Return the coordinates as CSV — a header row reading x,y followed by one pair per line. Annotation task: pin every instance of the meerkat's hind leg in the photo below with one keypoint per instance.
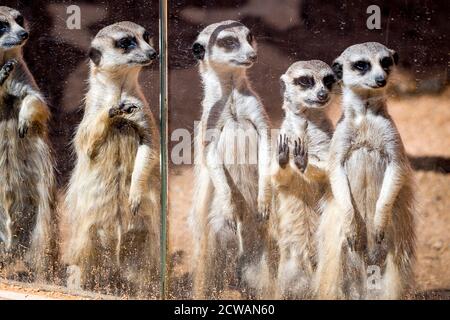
x,y
329,273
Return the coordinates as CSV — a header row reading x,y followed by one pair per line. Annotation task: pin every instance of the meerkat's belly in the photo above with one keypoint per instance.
x,y
19,174
365,169
101,187
238,147
297,221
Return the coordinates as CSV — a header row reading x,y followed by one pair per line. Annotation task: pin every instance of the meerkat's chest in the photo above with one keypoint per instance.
x,y
368,135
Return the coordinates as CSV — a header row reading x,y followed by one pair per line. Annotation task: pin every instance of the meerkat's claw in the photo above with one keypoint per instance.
x,y
300,155
231,224
23,129
6,70
127,107
379,236
263,214
114,111
10,65
283,151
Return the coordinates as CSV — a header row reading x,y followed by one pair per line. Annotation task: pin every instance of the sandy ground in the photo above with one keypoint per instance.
x,y
424,124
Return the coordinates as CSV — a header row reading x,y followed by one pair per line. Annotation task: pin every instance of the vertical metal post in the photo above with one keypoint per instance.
x,y
163,68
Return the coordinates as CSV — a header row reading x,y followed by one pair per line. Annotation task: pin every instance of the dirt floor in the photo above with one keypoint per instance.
x,y
424,124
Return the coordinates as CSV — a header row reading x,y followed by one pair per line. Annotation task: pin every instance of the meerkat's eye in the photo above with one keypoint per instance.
x,y
4,25
20,21
328,81
386,63
305,82
127,43
146,36
250,38
228,43
361,65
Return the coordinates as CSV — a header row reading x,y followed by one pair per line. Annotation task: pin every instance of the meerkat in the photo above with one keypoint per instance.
x,y
113,197
367,232
27,220
299,174
232,197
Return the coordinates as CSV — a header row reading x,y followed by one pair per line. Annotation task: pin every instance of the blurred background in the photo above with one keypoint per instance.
x,y
292,30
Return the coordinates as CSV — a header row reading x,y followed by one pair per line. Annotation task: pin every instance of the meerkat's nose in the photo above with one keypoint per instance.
x,y
381,81
322,95
23,35
253,57
152,54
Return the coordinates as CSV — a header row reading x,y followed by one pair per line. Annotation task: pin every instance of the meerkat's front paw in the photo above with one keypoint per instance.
x,y
23,127
7,69
230,220
123,108
135,203
264,206
300,155
283,151
351,231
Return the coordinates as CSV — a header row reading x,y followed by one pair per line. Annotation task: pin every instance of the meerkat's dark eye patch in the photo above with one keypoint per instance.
x,y
362,66
146,36
386,63
328,81
20,20
250,38
229,43
305,82
4,25
127,43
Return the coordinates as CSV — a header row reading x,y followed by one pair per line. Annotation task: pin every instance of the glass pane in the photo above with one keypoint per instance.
x,y
98,229
218,248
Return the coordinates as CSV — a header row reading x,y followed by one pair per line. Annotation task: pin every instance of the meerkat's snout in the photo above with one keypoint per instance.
x,y
12,29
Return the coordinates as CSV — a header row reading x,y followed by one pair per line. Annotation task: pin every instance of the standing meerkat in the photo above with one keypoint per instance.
x,y
27,221
113,197
299,174
368,228
232,162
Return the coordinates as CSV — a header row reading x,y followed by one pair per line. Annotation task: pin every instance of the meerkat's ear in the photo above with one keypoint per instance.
x,y
338,69
282,85
395,56
198,50
95,55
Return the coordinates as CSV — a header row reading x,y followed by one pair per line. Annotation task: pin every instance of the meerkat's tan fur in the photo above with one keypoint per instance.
x,y
299,174
27,221
113,198
366,234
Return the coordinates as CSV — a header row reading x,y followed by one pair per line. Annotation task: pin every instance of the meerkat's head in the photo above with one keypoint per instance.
x,y
308,84
122,46
365,66
229,44
12,29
